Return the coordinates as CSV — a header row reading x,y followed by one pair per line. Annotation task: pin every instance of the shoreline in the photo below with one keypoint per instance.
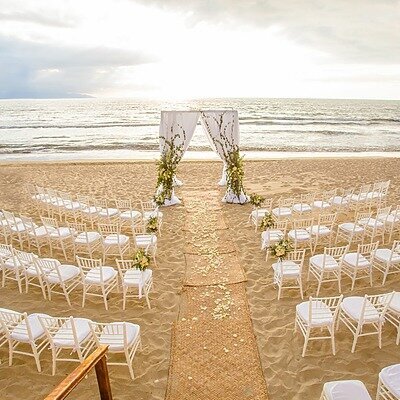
x,y
91,157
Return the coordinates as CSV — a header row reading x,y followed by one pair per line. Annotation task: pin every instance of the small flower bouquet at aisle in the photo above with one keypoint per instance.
x,y
159,200
141,260
152,225
267,222
281,249
256,200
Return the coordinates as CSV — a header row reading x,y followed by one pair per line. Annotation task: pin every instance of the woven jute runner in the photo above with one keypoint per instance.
x,y
214,354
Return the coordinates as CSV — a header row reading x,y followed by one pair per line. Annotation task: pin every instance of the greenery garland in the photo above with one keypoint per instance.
x,y
256,200
267,222
230,153
167,165
152,225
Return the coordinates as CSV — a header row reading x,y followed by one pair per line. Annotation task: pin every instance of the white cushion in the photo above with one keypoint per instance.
x,y
72,205
149,214
145,240
93,276
115,239
322,230
39,231
372,222
318,262
61,232
19,228
321,315
108,212
130,214
64,336
321,204
282,211
260,212
135,277
299,234
290,268
67,272
88,237
390,376
338,200
13,263
385,254
358,197
115,341
353,307
346,390
6,310
301,207
91,210
271,236
351,259
20,332
349,226
395,303
391,219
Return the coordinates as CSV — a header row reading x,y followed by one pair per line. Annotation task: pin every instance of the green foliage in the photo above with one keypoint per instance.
x,y
256,200
267,222
281,248
141,260
152,225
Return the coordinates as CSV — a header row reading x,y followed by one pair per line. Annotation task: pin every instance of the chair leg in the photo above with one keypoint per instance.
x,y
355,339
36,357
305,343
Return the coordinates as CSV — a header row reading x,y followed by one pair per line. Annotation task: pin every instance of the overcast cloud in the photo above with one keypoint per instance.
x,y
54,48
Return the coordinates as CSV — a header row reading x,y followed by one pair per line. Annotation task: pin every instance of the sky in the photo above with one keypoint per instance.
x,y
176,49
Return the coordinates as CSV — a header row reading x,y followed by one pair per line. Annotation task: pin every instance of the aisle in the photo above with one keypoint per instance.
x,y
214,353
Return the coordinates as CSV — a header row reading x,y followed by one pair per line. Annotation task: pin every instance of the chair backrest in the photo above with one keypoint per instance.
x,y
6,250
138,228
87,264
307,198
297,256
363,215
77,227
395,251
28,222
46,265
383,212
63,327
123,204
83,200
114,333
317,308
286,202
126,265
109,229
17,323
327,219
368,249
25,258
375,303
364,189
281,225
101,203
148,205
9,217
336,252
303,223
49,222
328,194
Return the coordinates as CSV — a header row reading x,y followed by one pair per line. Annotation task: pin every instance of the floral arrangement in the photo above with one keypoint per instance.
x,y
256,200
167,165
152,225
141,260
281,249
230,153
267,222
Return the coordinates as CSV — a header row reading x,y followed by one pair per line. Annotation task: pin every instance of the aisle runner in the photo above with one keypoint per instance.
x,y
214,353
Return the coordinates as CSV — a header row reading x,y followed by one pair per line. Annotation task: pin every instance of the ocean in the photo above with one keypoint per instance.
x,y
118,128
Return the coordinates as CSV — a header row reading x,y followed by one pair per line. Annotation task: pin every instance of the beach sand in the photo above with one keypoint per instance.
x,y
288,375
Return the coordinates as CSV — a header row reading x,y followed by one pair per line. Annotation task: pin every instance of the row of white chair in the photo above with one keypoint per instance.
x,y
388,387
69,339
95,278
318,318
335,262
109,240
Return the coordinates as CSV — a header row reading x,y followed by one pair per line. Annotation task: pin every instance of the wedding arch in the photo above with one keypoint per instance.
x,y
222,130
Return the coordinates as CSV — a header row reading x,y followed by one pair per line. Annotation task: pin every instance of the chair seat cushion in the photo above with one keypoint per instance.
x,y
112,335
39,232
145,240
13,263
290,268
351,259
321,230
108,212
87,238
20,332
352,306
301,207
385,255
358,197
370,222
321,315
338,200
62,232
321,204
350,226
115,239
135,277
260,212
271,236
390,376
19,228
154,213
67,272
64,336
282,212
72,205
299,234
130,214
92,210
395,303
330,263
346,390
93,276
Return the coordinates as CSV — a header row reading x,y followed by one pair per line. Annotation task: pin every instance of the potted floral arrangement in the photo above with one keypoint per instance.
x,y
152,225
141,260
267,222
256,200
159,199
281,249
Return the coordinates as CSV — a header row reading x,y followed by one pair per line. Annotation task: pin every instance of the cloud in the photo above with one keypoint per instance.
x,y
363,31
38,70
39,18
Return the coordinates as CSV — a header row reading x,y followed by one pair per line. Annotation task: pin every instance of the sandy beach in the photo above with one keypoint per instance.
x,y
288,375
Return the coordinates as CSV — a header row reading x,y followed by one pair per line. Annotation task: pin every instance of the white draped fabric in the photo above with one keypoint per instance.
x,y
180,124
218,125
